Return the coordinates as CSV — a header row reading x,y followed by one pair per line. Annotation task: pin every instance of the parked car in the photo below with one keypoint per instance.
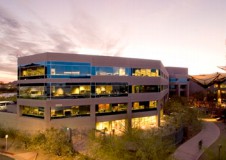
x,y
3,105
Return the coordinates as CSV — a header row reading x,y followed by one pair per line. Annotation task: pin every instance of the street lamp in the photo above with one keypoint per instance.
x,y
219,153
6,137
69,134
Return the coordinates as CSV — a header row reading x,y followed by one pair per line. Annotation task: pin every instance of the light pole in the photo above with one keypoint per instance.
x,y
69,134
219,153
6,137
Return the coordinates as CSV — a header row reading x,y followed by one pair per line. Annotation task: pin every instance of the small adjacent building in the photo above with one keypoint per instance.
x,y
178,81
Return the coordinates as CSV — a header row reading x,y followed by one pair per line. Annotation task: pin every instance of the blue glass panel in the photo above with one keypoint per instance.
x,y
172,79
182,80
68,69
128,72
93,71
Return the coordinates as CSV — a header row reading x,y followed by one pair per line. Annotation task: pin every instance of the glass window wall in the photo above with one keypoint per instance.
x,y
144,122
116,71
144,106
67,90
145,88
111,127
36,91
32,71
145,72
70,111
68,69
111,89
108,109
37,112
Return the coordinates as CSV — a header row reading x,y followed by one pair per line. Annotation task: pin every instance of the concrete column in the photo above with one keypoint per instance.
x,y
18,110
93,115
129,117
178,90
218,95
47,114
158,117
187,90
159,114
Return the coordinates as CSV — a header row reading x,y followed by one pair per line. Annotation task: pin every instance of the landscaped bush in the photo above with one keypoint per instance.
x,y
183,115
58,143
2,132
133,145
52,141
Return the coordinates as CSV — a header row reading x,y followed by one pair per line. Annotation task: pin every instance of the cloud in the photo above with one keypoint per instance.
x,y
7,20
20,38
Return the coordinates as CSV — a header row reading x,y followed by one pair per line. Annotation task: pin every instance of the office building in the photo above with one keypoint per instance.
x,y
90,92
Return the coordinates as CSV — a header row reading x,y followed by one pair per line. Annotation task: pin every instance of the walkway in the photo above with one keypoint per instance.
x,y
21,156
190,149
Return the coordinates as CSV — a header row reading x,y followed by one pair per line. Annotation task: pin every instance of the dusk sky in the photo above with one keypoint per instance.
x,y
180,33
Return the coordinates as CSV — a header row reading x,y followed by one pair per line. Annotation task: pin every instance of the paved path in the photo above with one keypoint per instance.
x,y
21,156
190,149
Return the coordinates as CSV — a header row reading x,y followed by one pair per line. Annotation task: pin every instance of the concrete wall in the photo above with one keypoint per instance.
x,y
81,123
31,125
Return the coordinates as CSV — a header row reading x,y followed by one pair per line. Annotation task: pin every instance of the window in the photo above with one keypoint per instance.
x,y
144,122
115,108
144,106
70,90
113,71
112,127
111,89
145,72
57,69
70,111
32,71
30,111
145,88
32,91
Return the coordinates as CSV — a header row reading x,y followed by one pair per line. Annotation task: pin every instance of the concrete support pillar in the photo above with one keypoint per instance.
x,y
129,117
178,90
159,108
218,95
187,90
93,115
18,110
47,113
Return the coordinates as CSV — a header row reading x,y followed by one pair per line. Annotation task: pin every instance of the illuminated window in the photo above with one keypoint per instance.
x,y
114,108
144,122
70,111
62,90
145,72
32,71
34,92
111,127
144,106
115,71
31,111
